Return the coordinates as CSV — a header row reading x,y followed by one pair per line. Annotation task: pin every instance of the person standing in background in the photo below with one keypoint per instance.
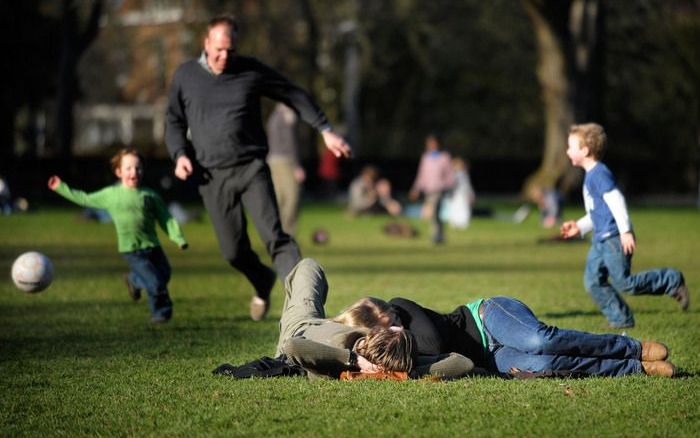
x,y
435,176
283,159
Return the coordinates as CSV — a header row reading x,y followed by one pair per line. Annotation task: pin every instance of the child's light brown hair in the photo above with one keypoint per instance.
x,y
391,350
592,136
116,160
366,312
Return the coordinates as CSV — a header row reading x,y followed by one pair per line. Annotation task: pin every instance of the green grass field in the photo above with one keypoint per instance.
x,y
81,359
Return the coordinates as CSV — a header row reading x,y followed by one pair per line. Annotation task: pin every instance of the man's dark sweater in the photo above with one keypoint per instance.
x,y
223,111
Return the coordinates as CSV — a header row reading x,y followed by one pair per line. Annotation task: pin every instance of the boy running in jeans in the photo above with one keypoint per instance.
x,y
135,211
609,260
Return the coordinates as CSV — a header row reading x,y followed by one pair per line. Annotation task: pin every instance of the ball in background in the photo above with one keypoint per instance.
x,y
32,272
320,236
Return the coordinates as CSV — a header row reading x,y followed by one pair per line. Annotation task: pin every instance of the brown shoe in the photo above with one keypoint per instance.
x,y
682,296
653,351
659,368
134,292
258,308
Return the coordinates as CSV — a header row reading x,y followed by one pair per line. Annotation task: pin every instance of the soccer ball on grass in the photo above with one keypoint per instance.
x,y
32,272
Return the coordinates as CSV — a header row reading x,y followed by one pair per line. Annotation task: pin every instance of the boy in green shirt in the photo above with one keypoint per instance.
x,y
135,211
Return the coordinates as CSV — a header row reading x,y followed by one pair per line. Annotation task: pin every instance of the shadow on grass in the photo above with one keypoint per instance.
x,y
417,248
345,249
575,313
686,374
108,267
463,267
569,314
103,330
84,261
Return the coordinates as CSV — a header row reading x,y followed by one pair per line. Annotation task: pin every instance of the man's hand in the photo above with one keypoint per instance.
x,y
569,229
336,144
54,181
628,244
183,168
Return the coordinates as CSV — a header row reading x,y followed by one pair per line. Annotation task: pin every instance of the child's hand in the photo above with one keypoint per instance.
x,y
366,366
628,244
54,181
569,229
184,246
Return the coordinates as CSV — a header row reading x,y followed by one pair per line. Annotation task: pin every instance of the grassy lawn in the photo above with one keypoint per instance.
x,y
81,359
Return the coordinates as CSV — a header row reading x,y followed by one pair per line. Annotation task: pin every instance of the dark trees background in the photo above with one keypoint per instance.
x,y
26,36
75,38
568,36
389,72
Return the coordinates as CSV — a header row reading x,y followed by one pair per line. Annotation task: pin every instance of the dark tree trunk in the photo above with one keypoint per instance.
x,y
309,136
567,34
73,45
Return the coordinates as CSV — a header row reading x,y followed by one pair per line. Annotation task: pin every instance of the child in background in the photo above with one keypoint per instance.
x,y
5,198
435,177
462,196
135,211
609,260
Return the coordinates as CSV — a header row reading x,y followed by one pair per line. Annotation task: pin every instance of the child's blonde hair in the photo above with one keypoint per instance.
x,y
116,160
391,350
592,136
366,312
459,164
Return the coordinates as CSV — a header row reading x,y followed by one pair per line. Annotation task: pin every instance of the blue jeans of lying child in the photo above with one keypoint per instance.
x,y
517,339
150,271
608,274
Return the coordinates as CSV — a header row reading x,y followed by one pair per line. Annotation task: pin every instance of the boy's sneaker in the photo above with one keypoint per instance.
x,y
134,292
682,295
160,319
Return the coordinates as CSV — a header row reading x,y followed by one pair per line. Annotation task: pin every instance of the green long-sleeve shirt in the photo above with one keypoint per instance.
x,y
134,212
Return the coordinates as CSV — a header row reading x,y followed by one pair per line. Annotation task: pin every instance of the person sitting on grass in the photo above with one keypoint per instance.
x,y
326,348
503,335
369,194
135,211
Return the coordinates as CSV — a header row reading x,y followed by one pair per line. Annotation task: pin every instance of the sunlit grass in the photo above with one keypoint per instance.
x,y
82,359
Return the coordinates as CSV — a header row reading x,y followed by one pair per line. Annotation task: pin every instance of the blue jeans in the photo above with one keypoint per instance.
x,y
608,274
517,339
150,271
